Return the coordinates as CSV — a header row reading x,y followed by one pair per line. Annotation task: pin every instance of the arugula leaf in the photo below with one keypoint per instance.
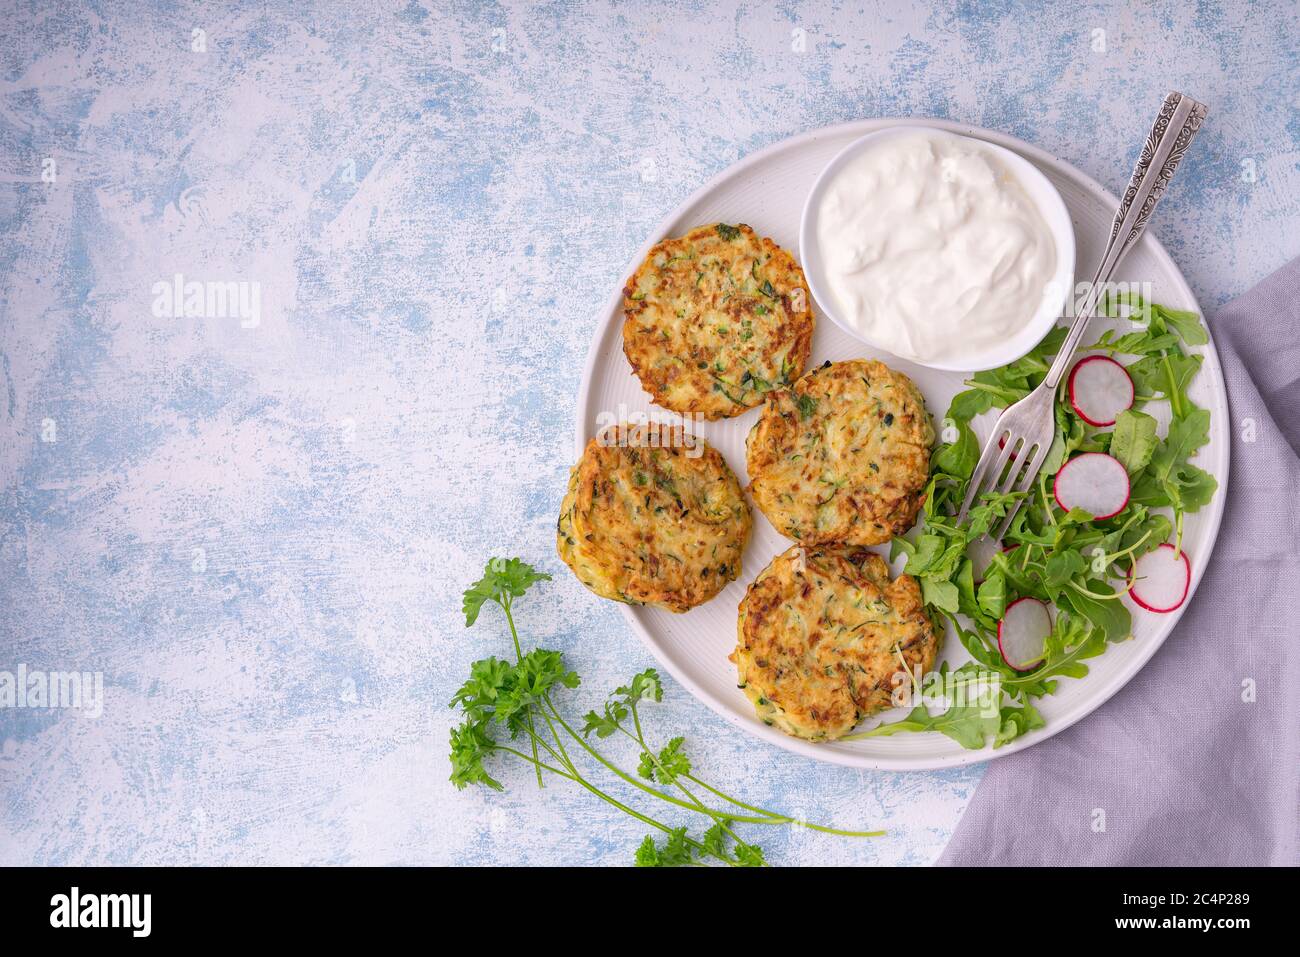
x,y
993,594
958,458
1139,343
1065,559
1186,435
966,405
1062,566
1108,616
1133,440
1186,324
1018,721
940,593
1196,487
967,724
1071,642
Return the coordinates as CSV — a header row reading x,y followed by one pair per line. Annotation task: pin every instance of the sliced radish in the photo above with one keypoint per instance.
x,y
1002,444
1022,633
1095,482
1100,389
1161,579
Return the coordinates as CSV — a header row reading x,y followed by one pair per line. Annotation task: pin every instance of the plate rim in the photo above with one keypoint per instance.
x,y
606,321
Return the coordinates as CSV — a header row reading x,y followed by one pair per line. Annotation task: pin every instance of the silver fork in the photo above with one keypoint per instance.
x,y
1026,429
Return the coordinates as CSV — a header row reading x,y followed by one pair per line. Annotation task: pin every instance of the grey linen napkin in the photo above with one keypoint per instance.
x,y
1185,767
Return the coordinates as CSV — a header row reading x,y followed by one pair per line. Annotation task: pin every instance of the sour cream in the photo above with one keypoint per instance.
x,y
932,248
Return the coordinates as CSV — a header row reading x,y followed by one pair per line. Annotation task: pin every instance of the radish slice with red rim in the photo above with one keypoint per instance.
x,y
1161,579
1022,633
1095,482
1100,389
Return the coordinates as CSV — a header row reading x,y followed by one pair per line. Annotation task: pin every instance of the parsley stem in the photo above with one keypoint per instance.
x,y
578,779
519,657
777,818
546,746
541,765
773,817
640,785
718,817
644,818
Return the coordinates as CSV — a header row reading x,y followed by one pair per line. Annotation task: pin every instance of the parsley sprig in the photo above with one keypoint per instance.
x,y
502,703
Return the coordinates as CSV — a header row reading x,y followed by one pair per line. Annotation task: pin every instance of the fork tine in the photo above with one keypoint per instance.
x,y
1018,457
988,457
1031,473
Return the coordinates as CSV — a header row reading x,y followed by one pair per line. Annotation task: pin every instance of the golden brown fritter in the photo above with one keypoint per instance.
x,y
824,638
715,320
653,525
843,455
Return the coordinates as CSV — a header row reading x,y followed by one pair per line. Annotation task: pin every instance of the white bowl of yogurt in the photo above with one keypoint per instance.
x,y
941,249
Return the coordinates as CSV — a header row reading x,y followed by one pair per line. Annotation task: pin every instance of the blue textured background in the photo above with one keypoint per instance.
x,y
259,535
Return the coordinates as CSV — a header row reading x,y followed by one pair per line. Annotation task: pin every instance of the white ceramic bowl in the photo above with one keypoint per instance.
x,y
1043,194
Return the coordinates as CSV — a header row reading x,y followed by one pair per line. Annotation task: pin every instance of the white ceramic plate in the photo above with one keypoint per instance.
x,y
767,191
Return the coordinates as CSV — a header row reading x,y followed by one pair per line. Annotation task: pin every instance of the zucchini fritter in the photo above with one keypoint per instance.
x,y
653,524
824,636
843,455
716,319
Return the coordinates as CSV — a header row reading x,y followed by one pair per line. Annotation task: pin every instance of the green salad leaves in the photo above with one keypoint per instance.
x,y
504,703
1069,560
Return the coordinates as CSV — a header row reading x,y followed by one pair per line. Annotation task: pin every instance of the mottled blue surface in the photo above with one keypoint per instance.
x,y
258,530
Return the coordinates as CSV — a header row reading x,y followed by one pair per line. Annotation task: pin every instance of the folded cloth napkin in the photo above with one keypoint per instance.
x,y
1197,759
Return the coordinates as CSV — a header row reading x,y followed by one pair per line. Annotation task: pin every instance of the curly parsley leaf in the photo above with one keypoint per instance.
x,y
749,855
676,851
504,579
604,724
672,762
470,744
646,685
519,697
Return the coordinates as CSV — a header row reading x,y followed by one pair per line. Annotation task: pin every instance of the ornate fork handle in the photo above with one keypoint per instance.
x,y
1177,123
1024,431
